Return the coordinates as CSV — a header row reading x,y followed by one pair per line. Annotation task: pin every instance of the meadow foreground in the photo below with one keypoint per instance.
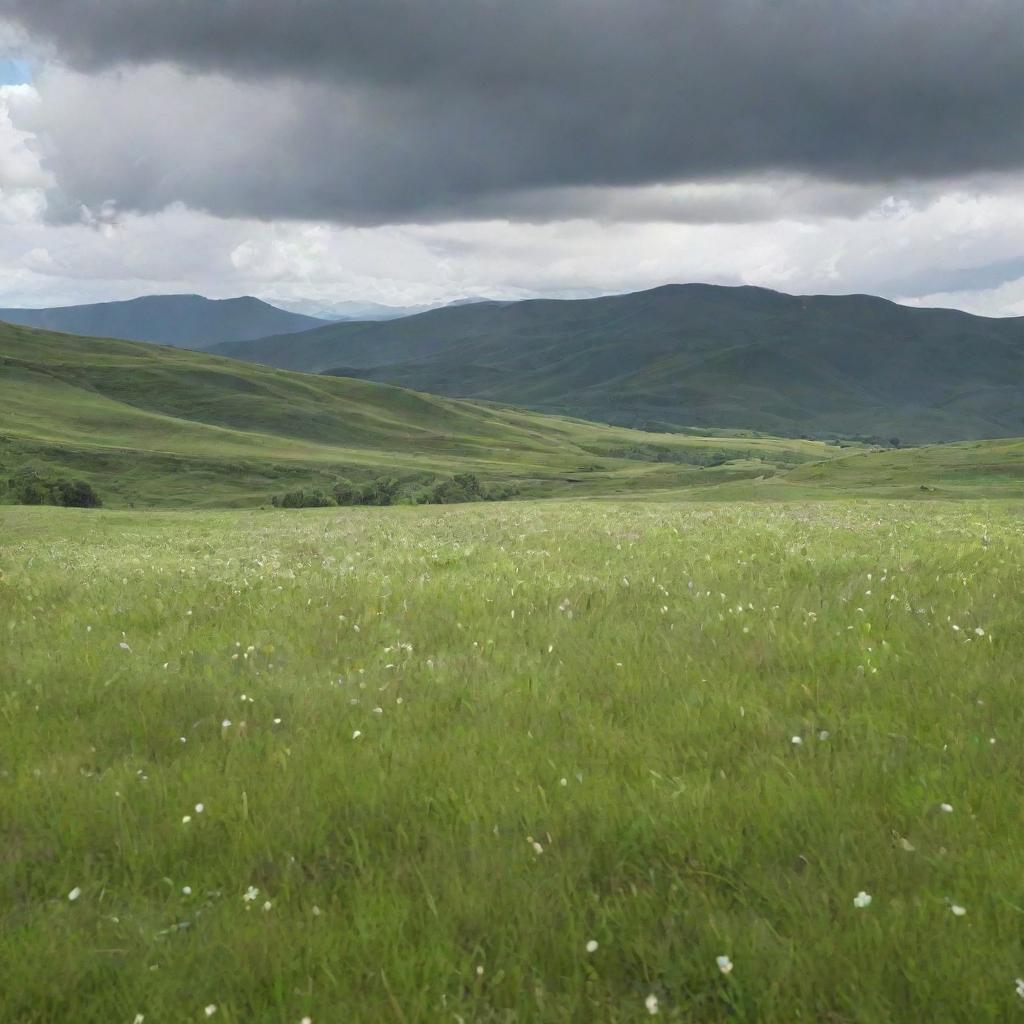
x,y
513,763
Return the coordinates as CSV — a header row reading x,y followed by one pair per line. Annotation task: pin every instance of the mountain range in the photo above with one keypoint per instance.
x,y
684,356
156,425
185,321
150,425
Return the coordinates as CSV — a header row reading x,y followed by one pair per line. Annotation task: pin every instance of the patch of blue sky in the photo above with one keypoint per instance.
x,y
14,72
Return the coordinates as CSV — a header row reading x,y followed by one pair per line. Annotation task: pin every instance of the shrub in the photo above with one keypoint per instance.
x,y
29,487
461,487
303,499
465,487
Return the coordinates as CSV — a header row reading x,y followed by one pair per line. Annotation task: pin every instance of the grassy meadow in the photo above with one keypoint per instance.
x,y
526,762
150,426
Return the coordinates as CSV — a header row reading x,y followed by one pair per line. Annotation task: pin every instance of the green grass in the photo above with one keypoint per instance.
x,y
148,425
162,427
617,682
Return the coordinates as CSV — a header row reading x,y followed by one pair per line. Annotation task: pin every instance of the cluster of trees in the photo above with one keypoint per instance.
x,y
28,487
464,487
386,490
382,491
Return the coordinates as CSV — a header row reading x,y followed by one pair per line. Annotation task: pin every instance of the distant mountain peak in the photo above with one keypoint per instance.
x,y
184,321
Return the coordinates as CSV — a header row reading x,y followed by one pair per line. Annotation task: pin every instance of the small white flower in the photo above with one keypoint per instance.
x,y
250,894
185,820
187,890
277,721
957,910
724,964
823,735
651,1002
200,808
210,1010
946,808
124,646
139,1018
226,724
306,1020
356,734
797,741
317,911
978,631
267,905
862,900
537,848
563,782
74,894
1019,986
592,946
479,970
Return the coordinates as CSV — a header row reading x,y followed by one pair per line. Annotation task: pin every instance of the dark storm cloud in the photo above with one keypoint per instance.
x,y
405,109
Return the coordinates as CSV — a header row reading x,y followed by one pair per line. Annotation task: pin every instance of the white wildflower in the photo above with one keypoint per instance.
x,y
592,946
862,900
724,964
210,1010
651,1002
74,894
356,734
946,808
250,894
957,910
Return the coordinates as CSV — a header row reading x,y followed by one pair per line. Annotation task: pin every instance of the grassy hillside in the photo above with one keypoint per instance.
x,y
699,355
189,321
163,426
405,765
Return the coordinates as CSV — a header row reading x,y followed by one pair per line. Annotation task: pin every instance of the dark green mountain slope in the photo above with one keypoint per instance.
x,y
698,355
185,321
162,426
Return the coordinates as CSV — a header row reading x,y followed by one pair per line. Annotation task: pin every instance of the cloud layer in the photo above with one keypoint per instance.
x,y
408,152
370,111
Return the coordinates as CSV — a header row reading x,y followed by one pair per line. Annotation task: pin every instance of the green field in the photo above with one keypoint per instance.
x,y
153,426
466,742
161,427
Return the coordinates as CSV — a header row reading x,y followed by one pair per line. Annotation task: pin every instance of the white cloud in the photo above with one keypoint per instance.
x,y
950,243
20,163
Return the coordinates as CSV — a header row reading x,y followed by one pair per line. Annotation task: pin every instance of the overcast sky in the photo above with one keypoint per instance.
x,y
404,151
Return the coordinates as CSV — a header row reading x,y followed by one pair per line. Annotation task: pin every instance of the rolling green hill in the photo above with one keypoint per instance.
x,y
188,321
698,355
164,426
